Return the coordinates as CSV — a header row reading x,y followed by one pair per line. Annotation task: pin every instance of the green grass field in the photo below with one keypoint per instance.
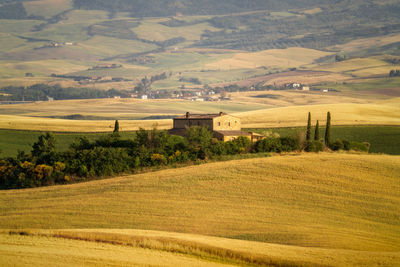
x,y
383,139
13,141
367,85
326,209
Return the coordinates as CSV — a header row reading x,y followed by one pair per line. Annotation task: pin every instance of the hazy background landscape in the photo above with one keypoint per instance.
x,y
73,67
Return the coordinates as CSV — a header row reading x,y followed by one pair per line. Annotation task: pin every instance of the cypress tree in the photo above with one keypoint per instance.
x,y
328,129
308,133
316,134
116,127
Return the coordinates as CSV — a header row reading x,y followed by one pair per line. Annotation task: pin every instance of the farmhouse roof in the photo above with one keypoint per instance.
x,y
200,116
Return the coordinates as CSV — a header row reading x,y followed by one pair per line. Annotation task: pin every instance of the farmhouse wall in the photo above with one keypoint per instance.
x,y
224,127
226,123
185,123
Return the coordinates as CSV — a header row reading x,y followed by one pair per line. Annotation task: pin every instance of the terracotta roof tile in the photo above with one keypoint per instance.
x,y
200,116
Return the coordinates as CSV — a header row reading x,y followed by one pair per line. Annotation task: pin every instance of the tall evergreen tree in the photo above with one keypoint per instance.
x,y
308,133
316,133
328,129
116,127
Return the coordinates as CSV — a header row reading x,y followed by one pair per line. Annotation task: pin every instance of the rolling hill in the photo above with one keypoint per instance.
x,y
205,39
320,209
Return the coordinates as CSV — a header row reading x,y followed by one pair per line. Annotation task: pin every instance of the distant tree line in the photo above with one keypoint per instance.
x,y
190,80
112,155
41,92
144,86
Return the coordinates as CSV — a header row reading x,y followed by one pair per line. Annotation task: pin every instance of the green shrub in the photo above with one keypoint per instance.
x,y
337,145
314,146
269,144
158,159
360,146
289,143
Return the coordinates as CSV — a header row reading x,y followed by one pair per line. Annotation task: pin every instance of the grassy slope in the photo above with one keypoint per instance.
x,y
319,199
149,247
339,203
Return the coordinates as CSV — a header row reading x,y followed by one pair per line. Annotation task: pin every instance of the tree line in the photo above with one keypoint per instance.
x,y
41,92
112,155
317,143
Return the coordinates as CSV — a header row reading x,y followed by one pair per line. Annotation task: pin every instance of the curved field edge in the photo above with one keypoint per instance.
x,y
190,245
29,250
326,200
215,249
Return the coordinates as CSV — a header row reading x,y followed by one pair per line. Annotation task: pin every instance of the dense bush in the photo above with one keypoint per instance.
x,y
314,146
99,161
350,145
111,155
281,144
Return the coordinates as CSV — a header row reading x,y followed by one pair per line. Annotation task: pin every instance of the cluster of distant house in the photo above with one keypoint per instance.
x,y
199,95
302,87
59,44
298,86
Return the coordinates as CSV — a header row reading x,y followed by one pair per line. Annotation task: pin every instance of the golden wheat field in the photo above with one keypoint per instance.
x,y
385,112
297,209
82,126
276,109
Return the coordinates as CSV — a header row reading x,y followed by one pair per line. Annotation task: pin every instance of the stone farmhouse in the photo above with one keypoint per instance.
x,y
223,126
